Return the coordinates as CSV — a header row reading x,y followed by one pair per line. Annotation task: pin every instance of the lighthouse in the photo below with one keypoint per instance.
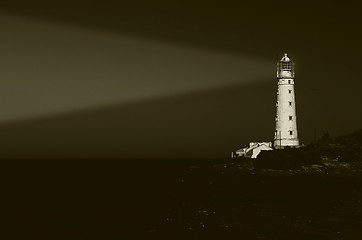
x,y
286,134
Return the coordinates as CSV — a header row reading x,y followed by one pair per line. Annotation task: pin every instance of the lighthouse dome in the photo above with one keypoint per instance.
x,y
285,58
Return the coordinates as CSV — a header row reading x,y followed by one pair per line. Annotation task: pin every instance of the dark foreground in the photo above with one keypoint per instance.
x,y
173,199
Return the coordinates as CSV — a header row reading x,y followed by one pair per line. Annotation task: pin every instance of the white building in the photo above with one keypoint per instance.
x,y
286,134
253,150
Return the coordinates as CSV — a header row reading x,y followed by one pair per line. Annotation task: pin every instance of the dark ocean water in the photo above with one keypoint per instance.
x,y
172,199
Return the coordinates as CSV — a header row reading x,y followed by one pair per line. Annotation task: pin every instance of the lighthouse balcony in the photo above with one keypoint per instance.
x,y
285,74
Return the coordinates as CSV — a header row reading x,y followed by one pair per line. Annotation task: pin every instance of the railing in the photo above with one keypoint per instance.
x,y
279,74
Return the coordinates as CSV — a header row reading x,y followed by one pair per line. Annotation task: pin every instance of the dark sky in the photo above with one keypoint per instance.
x,y
175,79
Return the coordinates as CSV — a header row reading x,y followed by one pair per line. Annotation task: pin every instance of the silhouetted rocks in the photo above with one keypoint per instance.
x,y
287,159
340,155
316,198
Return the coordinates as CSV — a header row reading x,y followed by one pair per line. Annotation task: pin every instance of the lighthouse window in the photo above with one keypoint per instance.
x,y
286,65
290,103
290,117
290,91
288,81
290,132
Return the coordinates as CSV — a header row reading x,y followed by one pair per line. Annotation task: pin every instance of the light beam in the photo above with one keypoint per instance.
x,y
49,68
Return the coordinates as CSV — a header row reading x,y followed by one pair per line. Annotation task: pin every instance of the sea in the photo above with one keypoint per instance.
x,y
172,199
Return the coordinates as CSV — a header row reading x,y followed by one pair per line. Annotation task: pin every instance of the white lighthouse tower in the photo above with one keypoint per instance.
x,y
286,134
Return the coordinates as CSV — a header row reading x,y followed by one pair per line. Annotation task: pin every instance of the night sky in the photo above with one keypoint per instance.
x,y
175,79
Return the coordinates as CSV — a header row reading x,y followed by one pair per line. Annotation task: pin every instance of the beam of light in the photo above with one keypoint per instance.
x,y
48,68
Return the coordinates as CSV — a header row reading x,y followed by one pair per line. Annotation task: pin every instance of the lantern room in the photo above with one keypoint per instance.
x,y
285,67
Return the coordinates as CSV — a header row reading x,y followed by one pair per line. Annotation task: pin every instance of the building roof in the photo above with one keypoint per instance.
x,y
285,58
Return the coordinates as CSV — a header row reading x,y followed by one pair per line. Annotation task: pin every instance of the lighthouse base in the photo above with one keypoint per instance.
x,y
285,143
